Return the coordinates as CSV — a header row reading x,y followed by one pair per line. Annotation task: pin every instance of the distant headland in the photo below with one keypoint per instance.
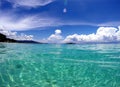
x,y
3,38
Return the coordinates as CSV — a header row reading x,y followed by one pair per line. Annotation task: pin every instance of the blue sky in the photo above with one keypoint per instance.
x,y
41,18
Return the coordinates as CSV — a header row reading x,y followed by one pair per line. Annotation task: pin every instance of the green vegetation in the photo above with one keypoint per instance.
x,y
3,38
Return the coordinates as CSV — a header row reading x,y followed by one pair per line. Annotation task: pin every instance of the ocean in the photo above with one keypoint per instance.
x,y
59,65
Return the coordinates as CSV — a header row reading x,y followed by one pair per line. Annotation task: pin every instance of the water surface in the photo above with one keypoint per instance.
x,y
59,65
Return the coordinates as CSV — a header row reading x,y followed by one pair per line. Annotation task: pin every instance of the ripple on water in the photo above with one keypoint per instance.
x,y
60,66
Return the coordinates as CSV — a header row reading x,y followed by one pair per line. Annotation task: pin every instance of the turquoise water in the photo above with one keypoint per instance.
x,y
55,65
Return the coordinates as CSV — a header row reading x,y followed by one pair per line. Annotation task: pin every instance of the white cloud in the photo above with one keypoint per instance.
x,y
114,23
55,38
103,34
26,23
11,22
23,36
13,35
57,32
29,3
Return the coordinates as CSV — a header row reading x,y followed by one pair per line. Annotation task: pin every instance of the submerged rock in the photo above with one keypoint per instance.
x,y
18,66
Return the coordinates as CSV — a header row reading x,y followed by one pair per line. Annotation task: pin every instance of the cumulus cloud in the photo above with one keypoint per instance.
x,y
29,3
56,37
103,34
23,36
58,32
14,35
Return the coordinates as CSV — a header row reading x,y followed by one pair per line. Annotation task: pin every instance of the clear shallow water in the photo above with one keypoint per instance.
x,y
51,65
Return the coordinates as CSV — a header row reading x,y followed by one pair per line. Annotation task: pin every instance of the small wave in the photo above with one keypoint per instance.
x,y
88,61
108,66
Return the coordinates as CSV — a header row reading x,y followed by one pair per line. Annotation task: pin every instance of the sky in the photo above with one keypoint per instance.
x,y
58,21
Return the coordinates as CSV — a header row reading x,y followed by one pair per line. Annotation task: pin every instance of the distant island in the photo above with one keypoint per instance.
x,y
28,41
3,38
